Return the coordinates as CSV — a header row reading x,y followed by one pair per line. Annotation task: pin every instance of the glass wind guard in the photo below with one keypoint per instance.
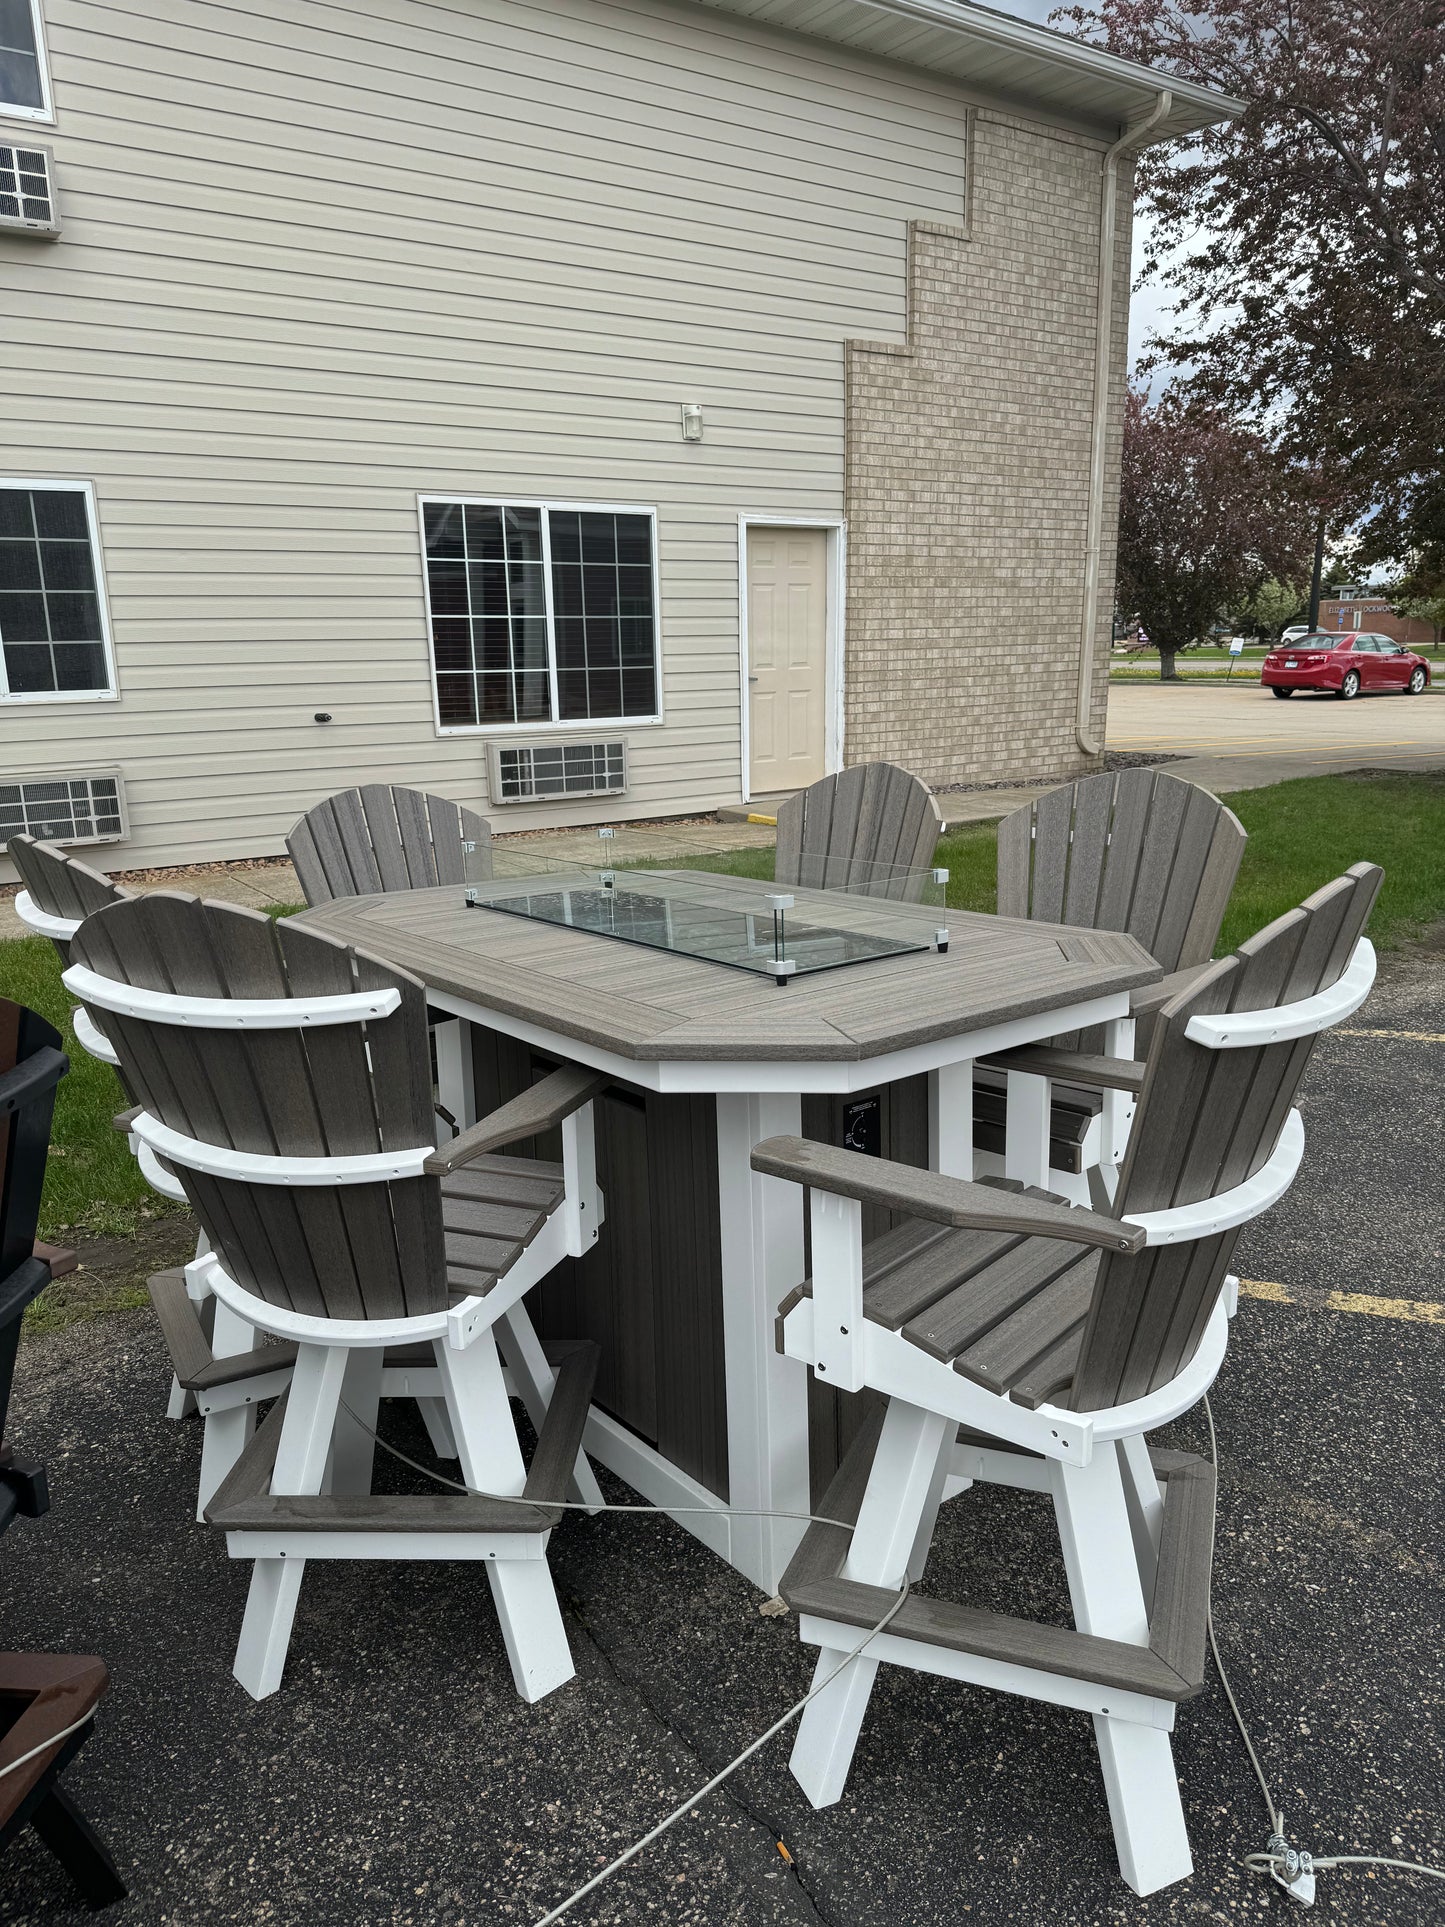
x,y
746,923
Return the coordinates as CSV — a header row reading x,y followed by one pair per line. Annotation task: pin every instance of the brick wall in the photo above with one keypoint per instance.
x,y
967,476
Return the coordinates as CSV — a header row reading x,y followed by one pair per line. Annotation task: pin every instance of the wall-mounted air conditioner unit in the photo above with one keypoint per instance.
x,y
555,772
65,809
28,201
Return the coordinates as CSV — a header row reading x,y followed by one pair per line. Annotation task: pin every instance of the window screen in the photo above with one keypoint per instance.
x,y
22,83
52,634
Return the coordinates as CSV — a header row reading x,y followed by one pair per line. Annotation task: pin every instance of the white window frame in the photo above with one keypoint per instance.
x,y
44,114
543,724
97,562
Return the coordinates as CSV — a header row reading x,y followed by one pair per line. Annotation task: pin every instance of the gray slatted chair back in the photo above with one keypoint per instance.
x,y
871,829
380,838
1133,850
367,1250
1208,1120
61,885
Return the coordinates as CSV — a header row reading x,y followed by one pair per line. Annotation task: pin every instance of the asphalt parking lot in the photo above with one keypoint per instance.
x,y
1250,739
396,1778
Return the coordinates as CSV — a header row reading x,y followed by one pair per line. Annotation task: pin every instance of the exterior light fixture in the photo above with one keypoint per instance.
x,y
692,421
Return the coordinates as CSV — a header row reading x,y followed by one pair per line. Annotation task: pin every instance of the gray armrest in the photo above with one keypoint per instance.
x,y
927,1194
1070,1067
542,1108
1153,997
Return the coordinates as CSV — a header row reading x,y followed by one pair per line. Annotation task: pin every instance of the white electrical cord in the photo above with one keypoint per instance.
x,y
1289,1867
658,1512
13,1766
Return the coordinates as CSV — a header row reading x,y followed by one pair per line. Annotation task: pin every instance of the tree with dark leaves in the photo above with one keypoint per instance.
x,y
1305,242
1208,513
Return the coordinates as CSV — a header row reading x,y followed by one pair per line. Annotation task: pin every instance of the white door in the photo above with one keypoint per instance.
x,y
787,658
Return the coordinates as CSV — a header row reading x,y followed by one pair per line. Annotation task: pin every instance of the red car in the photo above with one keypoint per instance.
x,y
1345,664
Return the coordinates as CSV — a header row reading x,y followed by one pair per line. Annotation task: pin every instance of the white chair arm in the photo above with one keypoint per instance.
x,y
1185,1222
1242,1029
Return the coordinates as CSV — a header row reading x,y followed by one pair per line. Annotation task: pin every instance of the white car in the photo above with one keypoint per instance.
x,y
1295,632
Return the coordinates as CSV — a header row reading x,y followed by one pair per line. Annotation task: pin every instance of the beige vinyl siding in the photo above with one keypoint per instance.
x,y
322,258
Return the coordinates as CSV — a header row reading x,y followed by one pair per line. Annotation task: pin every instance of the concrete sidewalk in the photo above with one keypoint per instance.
x,y
396,1778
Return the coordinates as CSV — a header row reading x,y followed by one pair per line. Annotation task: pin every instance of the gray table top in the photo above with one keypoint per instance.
x,y
654,1005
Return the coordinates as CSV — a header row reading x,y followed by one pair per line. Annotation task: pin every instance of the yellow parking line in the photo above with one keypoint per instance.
x,y
1411,1311
1408,1036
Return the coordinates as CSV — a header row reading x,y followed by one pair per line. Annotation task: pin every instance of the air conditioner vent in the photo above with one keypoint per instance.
x,y
554,772
64,809
28,200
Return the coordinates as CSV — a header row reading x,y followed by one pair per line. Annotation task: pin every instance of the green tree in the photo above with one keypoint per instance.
x,y
1424,608
1271,607
1207,514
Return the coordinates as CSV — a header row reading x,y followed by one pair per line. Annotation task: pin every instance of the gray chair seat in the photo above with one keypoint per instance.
x,y
492,1209
1006,1311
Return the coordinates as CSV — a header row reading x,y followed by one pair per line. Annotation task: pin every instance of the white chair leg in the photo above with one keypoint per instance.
x,y
1146,1509
526,1602
1108,1600
438,1426
534,1379
928,1518
227,1434
455,1089
905,1487
300,1466
1026,1128
353,1448
828,1733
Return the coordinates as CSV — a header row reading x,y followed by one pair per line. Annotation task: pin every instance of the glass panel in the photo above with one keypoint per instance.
x,y
456,699
443,524
599,537
452,643
485,562
22,619
20,79
564,532
79,665
639,692
612,591
67,565
60,513
739,922
484,531
48,592
15,516
19,565
604,692
28,668
634,540
491,571
74,618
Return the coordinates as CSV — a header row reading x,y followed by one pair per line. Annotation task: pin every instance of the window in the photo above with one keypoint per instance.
x,y
24,83
540,614
54,641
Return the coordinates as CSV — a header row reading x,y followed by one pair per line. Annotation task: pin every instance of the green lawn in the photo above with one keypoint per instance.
x,y
1301,834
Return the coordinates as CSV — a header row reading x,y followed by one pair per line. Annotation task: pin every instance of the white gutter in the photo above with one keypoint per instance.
x,y
1103,359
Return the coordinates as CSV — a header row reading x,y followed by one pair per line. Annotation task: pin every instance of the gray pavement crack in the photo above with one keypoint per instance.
x,y
798,1885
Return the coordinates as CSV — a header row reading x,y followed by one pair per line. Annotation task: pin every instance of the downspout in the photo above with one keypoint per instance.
x,y
1103,357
